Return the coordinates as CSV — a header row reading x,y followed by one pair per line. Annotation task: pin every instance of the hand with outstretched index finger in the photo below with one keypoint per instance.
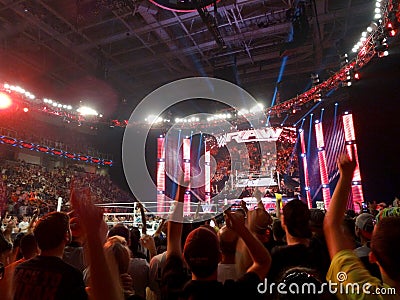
x,y
346,164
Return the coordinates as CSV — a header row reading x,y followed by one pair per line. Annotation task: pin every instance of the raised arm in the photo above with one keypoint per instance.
x,y
174,231
160,228
259,254
143,217
334,234
36,213
103,277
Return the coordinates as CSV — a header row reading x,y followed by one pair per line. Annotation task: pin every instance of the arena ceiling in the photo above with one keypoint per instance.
x,y
135,46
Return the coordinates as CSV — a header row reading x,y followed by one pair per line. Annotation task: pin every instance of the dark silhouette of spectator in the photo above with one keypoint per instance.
x,y
364,225
308,282
47,274
299,251
138,267
317,243
28,248
278,233
227,242
74,253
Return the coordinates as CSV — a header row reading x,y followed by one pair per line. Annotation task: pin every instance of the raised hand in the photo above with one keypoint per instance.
x,y
90,216
346,164
147,242
235,221
244,206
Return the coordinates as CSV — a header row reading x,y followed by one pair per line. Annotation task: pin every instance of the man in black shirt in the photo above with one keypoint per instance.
x,y
301,250
47,276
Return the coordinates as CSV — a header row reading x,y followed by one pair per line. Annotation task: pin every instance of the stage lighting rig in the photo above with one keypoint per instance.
x,y
183,5
314,79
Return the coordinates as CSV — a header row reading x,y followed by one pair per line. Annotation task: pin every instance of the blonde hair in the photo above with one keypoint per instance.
x,y
117,251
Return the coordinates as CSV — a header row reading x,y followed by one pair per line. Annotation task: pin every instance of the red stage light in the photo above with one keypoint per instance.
x,y
357,76
26,109
5,101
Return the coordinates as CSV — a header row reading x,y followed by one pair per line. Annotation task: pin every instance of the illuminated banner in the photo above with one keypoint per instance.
x,y
55,152
254,135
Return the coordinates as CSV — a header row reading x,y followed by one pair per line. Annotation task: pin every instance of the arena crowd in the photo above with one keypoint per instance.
x,y
242,254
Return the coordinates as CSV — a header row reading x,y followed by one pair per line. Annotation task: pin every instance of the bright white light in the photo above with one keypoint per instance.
x,y
377,10
64,106
369,29
378,16
20,90
152,119
377,4
354,50
363,39
87,111
49,101
243,112
59,105
385,53
6,86
69,107
5,101
364,34
55,104
32,96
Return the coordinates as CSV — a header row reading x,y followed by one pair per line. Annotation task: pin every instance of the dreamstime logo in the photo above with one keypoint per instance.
x,y
134,141
341,276
312,288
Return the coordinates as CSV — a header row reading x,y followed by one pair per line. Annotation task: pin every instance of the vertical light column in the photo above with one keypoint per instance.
x,y
186,172
304,158
207,175
319,134
161,174
350,138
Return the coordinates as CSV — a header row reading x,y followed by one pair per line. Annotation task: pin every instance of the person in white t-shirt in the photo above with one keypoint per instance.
x,y
23,225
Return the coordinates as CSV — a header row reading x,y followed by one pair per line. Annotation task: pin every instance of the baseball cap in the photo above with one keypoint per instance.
x,y
259,220
201,251
365,222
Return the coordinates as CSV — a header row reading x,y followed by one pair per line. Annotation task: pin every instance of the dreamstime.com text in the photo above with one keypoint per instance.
x,y
325,287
